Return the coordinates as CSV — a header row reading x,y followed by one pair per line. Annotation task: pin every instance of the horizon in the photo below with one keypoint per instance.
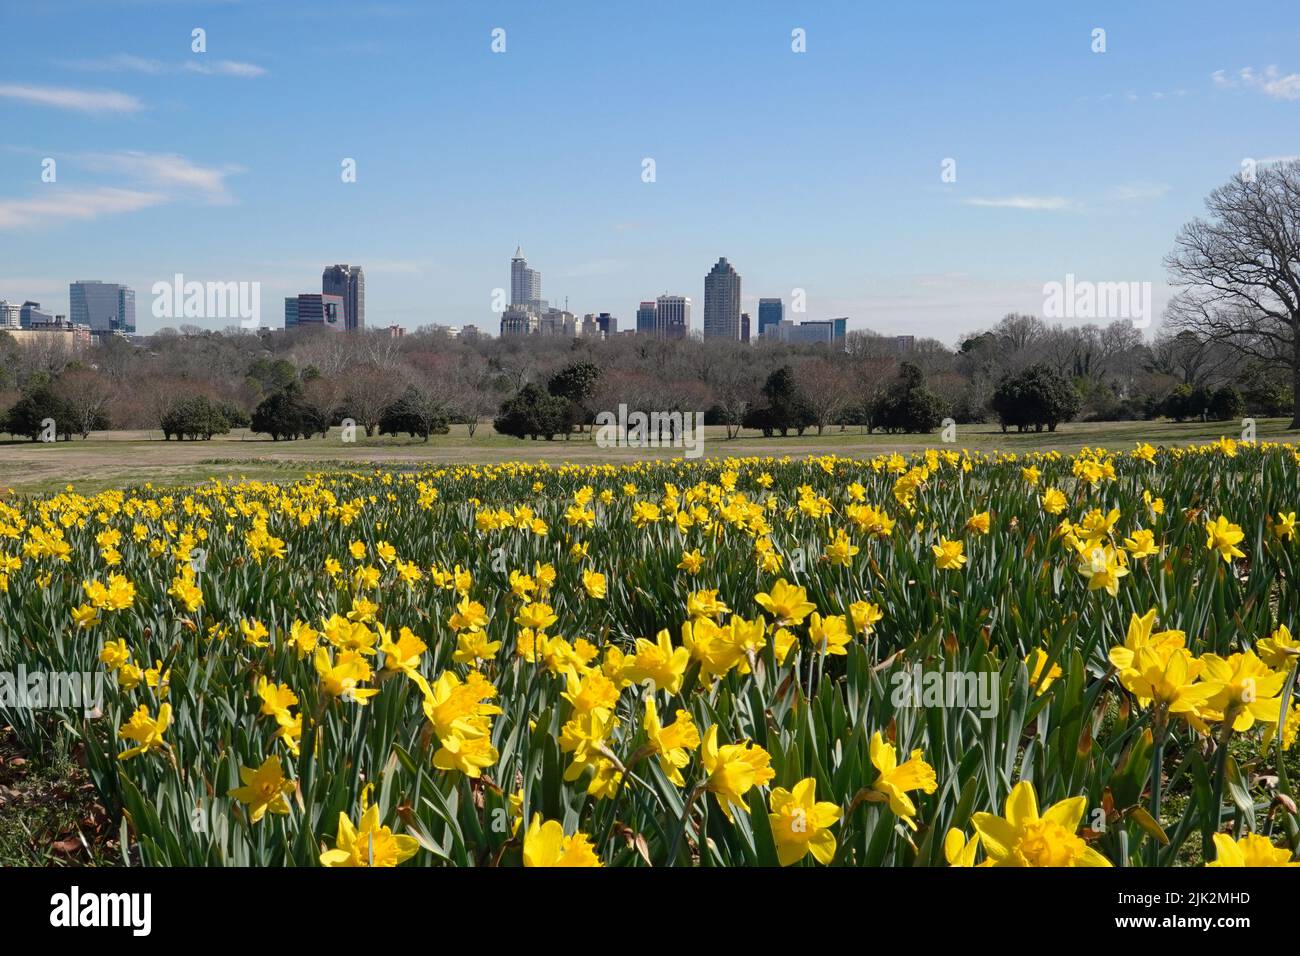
x,y
820,170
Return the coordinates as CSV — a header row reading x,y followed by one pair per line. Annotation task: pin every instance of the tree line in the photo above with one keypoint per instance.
x,y
1228,347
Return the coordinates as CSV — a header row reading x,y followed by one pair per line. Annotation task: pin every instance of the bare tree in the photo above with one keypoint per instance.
x,y
86,395
735,388
829,388
1239,269
370,390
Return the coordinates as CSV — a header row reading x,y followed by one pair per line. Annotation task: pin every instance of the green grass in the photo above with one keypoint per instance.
x,y
48,810
122,459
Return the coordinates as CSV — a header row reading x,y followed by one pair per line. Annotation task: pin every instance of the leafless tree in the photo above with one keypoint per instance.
x,y
829,387
1238,270
369,390
86,395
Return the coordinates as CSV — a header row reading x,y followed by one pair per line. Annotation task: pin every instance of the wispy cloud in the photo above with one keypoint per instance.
x,y
1271,82
86,101
129,63
143,180
168,173
74,204
1031,203
1135,192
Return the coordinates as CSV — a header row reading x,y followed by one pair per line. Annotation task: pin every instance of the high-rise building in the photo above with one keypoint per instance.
x,y
104,306
11,315
813,330
770,314
608,325
31,316
722,302
518,320
525,283
559,322
646,322
672,316
348,283
290,311
744,327
322,311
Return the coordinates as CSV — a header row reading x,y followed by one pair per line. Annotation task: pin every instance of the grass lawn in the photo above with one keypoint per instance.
x,y
121,459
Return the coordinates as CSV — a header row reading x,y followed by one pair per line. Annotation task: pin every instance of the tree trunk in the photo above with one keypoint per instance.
x,y
1295,377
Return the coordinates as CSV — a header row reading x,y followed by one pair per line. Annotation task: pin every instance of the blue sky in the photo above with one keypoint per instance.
x,y
817,170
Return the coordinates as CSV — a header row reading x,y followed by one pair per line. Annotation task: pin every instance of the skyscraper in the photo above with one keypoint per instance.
x,y
349,284
321,311
722,302
770,314
104,306
744,327
525,283
672,317
10,315
646,324
290,311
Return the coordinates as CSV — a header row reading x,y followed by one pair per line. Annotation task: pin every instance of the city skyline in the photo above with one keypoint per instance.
x,y
825,173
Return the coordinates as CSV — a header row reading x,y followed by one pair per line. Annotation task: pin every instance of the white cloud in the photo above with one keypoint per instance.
x,y
168,173
87,101
1130,192
1271,82
1032,203
74,204
145,180
128,63
225,68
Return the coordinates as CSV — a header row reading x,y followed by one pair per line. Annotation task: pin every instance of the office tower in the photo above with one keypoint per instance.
x,y
10,315
672,316
525,283
744,327
813,330
770,314
322,311
104,306
646,321
349,284
722,302
31,316
608,325
290,311
559,322
518,320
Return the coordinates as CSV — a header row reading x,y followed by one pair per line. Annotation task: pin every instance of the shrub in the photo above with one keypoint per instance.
x,y
533,412
1036,397
908,406
194,418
